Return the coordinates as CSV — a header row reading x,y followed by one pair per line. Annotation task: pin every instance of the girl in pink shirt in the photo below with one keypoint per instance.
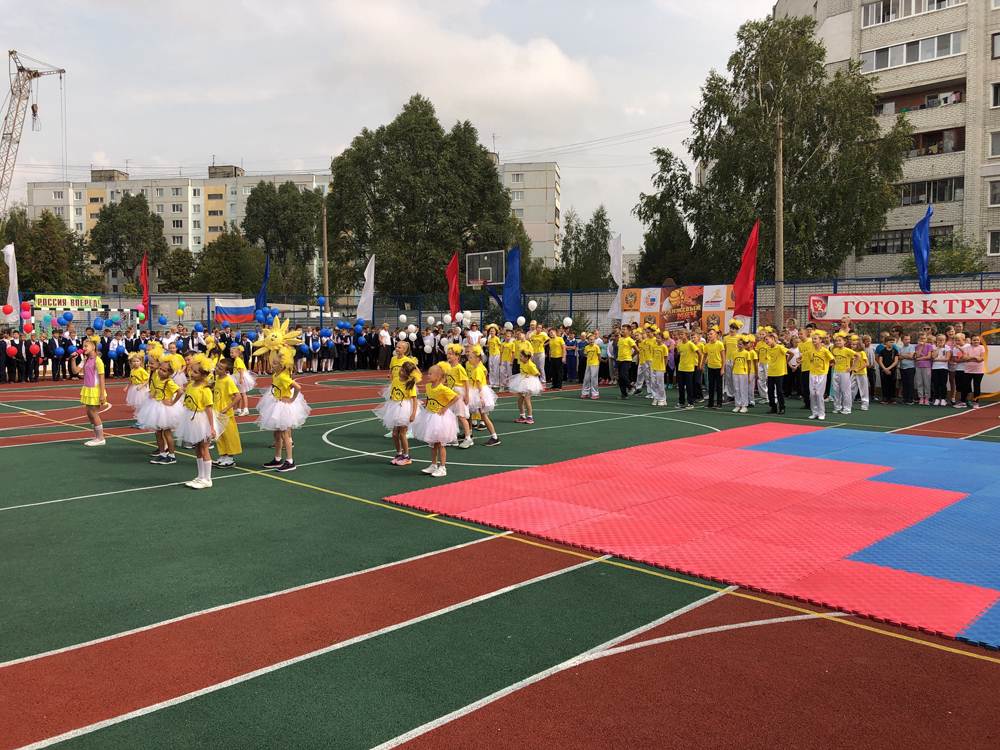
x,y
975,364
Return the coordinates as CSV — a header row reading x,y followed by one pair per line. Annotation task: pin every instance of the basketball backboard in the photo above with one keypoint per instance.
x,y
488,267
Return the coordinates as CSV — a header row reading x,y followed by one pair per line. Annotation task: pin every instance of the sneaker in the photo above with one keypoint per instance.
x,y
583,396
821,417
288,466
691,406
195,484
845,413
98,442
429,469
492,441
168,459
466,443
404,461
529,420
155,453
159,458
274,463
864,408
736,410
520,420
781,411
743,410
453,444
480,427
812,416
836,411
594,397
974,406
439,472
959,405
203,484
395,459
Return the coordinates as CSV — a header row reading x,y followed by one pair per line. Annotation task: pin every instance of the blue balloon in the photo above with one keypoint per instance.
x,y
180,344
252,335
269,320
60,351
100,347
198,327
330,345
259,316
163,320
62,322
303,349
225,326
352,348
122,352
321,300
362,341
237,336
68,315
360,321
358,328
275,312
315,346
71,349
142,347
325,332
98,324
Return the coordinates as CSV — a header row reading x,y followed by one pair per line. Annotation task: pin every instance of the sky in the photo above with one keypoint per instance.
x,y
286,85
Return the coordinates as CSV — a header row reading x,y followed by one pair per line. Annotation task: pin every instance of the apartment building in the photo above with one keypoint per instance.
x,y
195,210
938,63
535,199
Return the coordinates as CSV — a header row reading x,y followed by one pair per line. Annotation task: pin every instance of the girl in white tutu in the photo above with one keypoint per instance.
x,y
162,411
399,411
179,375
482,399
198,425
437,424
283,408
138,386
526,384
456,378
400,356
243,378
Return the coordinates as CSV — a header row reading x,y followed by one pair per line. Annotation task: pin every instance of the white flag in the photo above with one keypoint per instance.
x,y
615,253
12,291
367,301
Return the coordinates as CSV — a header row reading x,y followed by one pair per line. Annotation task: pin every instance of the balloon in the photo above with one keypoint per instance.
x,y
360,321
508,326
402,318
122,352
275,312
252,335
34,349
567,322
325,332
60,351
330,345
71,349
162,320
430,320
428,349
362,341
62,322
259,316
180,344
25,314
446,320
11,350
321,300
303,349
458,316
411,328
225,326
269,320
68,315
180,312
142,317
182,304
358,328
352,348
98,324
140,308
26,306
198,327
520,320
28,328
116,318
412,337
401,336
46,319
468,315
532,305
142,347
7,309
315,346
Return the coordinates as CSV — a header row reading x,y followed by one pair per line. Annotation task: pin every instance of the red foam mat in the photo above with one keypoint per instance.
x,y
707,507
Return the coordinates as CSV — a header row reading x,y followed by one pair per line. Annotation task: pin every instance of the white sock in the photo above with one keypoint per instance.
x,y
493,435
207,468
201,469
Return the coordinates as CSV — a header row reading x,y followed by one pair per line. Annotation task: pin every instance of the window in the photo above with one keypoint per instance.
x,y
78,195
145,192
215,196
519,213
995,192
79,226
93,215
944,45
895,241
196,208
247,190
159,208
177,208
114,287
159,192
215,212
933,191
232,209
196,223
517,195
178,223
96,199
886,11
78,211
938,142
517,177
995,39
197,239
232,192
993,244
177,239
57,195
175,191
126,191
59,210
995,97
995,143
214,228
196,192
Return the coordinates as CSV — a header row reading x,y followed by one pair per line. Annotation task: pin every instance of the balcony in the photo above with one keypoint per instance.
x,y
937,108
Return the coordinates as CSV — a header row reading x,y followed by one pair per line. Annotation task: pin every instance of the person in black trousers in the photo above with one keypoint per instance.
x,y
625,345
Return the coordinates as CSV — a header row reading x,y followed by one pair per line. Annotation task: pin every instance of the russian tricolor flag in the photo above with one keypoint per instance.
x,y
235,311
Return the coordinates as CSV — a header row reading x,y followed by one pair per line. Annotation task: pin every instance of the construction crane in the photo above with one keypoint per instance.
x,y
23,78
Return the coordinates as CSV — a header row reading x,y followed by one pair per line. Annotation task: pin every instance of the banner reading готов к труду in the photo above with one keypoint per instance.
x,y
907,306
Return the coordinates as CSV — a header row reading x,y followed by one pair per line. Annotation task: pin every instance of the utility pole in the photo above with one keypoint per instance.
x,y
779,231
326,260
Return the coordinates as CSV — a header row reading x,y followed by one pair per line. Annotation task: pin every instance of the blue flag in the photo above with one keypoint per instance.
x,y
922,250
261,301
512,285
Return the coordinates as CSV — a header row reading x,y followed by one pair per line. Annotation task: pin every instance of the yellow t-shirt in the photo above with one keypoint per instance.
x,y
658,357
593,352
197,397
860,363
238,365
820,361
507,350
761,348
842,358
806,350
523,346
731,342
493,345
162,389
625,346
643,348
777,361
538,340
439,397
477,375
224,393
139,376
453,374
529,368
715,351
281,385
557,347
742,360
396,362
687,351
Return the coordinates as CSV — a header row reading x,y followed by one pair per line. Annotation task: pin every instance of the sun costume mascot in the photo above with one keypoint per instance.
x,y
282,408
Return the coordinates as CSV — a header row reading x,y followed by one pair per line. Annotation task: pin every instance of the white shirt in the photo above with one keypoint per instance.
x,y
473,337
384,338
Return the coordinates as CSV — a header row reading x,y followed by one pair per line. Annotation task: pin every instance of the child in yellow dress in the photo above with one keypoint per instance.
x,y
227,394
198,425
482,399
457,379
93,394
138,387
162,412
243,378
525,384
437,425
283,408
399,411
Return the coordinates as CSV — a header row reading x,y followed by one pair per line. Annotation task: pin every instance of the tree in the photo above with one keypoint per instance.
x,y
413,194
950,256
839,168
284,220
666,251
229,264
585,263
124,231
49,255
176,271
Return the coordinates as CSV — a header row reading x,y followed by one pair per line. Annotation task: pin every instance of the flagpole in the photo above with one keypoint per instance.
x,y
779,233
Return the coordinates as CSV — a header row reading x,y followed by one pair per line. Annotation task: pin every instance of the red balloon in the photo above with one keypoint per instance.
x,y
28,327
25,305
7,309
34,349
11,350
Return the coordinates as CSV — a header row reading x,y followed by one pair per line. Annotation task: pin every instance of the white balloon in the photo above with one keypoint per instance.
x,y
532,305
428,349
468,315
567,322
402,318
430,320
412,337
401,336
508,326
459,315
520,320
446,319
411,328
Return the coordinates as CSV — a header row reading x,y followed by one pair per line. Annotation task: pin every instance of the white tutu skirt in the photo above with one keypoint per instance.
x,y
458,406
137,396
195,427
436,428
180,378
156,415
482,401
277,415
529,384
395,413
245,381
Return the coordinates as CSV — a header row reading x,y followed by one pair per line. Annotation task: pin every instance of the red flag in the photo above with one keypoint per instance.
x,y
144,281
451,273
743,287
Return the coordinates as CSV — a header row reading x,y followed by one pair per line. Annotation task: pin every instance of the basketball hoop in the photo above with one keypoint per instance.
x,y
477,284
